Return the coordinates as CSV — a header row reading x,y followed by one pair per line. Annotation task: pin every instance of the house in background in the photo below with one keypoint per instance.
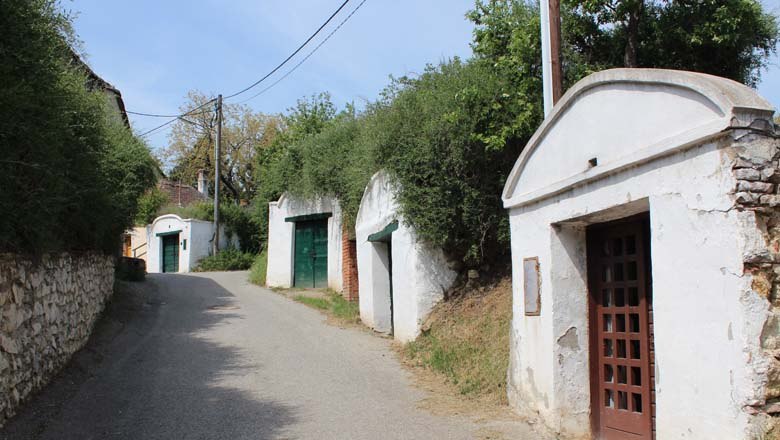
x,y
135,240
645,262
308,246
181,194
400,277
176,244
96,83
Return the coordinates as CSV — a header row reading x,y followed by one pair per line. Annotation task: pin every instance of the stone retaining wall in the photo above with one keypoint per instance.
x,y
47,310
757,170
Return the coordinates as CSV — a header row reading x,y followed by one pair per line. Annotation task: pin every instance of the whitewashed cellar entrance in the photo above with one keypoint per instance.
x,y
644,219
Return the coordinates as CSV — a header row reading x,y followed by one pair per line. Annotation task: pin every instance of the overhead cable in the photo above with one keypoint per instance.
x,y
292,54
306,57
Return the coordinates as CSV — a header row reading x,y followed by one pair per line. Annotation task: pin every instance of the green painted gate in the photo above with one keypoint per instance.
x,y
310,267
170,253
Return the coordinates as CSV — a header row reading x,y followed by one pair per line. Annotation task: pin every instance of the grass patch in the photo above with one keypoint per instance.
x,y
259,268
317,303
334,305
468,342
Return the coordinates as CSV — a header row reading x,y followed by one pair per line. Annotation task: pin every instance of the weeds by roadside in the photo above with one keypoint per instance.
x,y
467,342
334,305
258,270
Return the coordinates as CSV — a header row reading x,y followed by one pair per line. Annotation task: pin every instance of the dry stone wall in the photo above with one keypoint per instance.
x,y
757,170
48,307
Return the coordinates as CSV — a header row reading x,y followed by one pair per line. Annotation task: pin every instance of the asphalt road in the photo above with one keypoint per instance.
x,y
213,357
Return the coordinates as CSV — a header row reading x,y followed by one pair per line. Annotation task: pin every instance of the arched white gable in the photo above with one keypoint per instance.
x,y
378,205
169,217
620,118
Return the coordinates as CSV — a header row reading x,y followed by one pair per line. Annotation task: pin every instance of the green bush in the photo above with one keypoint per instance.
x,y
259,268
71,172
149,205
450,138
225,260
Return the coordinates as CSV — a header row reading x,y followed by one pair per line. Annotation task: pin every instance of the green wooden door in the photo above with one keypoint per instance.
x,y
170,254
320,237
310,267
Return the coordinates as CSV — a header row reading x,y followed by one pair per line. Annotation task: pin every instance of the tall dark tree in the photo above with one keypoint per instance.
x,y
729,38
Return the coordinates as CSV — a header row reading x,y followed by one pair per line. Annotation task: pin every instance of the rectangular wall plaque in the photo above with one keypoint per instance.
x,y
532,298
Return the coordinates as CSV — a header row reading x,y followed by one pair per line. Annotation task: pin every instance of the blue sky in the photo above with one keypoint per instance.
x,y
156,51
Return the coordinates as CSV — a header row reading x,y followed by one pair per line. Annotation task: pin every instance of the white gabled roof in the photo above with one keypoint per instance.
x,y
625,117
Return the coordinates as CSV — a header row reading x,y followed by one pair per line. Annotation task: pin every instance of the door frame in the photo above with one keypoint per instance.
x,y
162,236
593,338
310,219
382,242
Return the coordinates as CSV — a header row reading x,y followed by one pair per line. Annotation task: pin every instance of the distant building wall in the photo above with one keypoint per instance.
x,y
195,241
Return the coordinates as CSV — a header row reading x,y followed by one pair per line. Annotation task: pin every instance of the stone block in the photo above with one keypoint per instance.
x,y
9,345
747,174
770,200
755,187
747,198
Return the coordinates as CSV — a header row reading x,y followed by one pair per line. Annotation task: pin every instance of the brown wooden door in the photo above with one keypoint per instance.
x,y
621,344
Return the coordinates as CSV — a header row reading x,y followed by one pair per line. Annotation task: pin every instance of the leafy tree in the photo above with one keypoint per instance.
x,y
244,133
729,38
450,138
278,167
71,173
149,205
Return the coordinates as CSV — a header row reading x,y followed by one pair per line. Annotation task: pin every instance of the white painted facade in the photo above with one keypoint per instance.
x,y
195,241
664,144
420,273
281,238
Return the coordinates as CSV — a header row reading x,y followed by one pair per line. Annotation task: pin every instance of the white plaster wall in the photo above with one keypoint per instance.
x,y
199,243
592,117
138,242
281,236
198,234
702,324
661,147
421,273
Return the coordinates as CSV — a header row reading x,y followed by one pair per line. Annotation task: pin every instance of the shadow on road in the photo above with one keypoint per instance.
x,y
153,369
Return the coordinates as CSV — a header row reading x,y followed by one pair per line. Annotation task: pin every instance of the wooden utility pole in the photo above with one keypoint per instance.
x,y
217,156
551,53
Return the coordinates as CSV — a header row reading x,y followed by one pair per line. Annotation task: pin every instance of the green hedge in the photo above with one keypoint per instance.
x,y
70,171
448,137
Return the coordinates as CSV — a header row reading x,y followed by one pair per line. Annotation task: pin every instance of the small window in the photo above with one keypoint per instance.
x,y
531,286
184,245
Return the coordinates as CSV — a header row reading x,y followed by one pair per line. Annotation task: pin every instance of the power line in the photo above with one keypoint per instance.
x,y
291,55
286,60
176,117
153,115
306,57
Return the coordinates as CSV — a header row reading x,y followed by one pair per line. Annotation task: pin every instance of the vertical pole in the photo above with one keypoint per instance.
x,y
550,11
217,157
555,50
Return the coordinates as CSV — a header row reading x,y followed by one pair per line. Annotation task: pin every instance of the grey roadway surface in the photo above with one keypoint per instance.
x,y
213,357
